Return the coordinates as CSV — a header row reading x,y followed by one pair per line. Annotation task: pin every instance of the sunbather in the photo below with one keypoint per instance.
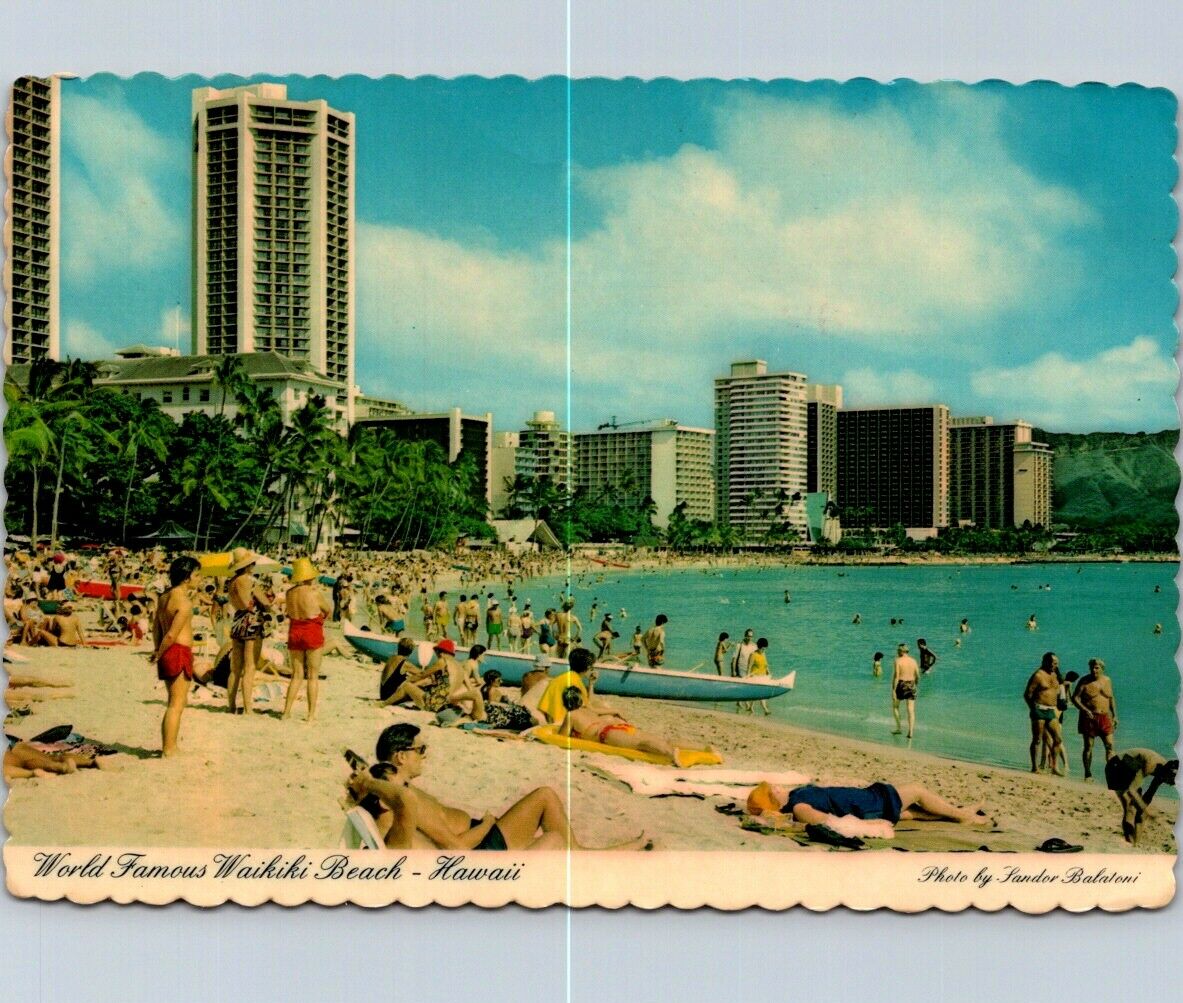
x,y
23,761
607,727
408,817
813,805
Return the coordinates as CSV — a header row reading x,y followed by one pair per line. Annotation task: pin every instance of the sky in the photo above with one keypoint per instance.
x,y
605,249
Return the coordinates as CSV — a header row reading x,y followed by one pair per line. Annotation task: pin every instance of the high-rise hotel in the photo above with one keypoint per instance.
x,y
273,229
999,476
893,466
761,447
32,227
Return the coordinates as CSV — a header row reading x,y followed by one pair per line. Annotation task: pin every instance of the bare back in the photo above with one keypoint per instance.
x,y
306,602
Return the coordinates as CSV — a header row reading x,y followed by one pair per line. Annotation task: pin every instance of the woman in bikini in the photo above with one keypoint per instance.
x,y
248,603
608,728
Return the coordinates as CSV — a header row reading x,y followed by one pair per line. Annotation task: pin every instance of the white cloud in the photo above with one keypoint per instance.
x,y
869,387
1118,388
81,341
116,210
84,341
806,217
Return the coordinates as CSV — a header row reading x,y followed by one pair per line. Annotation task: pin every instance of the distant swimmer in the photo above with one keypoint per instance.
x,y
858,618
1158,588
1031,624
1158,628
877,664
893,621
957,642
964,626
1014,588
788,598
927,658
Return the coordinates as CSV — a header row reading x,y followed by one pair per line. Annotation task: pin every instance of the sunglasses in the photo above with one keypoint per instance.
x,y
421,749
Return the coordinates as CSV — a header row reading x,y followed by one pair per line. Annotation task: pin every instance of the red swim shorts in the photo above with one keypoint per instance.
x,y
174,660
1097,726
306,635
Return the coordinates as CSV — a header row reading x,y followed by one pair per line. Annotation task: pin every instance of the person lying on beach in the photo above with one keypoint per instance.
x,y
1124,775
24,761
409,817
607,727
814,805
579,674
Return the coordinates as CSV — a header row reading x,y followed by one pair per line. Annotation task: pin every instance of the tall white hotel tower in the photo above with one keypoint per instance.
x,y
761,447
273,229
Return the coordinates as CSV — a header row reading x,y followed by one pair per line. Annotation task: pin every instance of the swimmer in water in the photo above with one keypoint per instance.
x,y
788,598
858,618
1158,628
1031,624
964,627
877,664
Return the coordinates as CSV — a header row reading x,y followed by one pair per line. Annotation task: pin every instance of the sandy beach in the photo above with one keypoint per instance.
x,y
264,782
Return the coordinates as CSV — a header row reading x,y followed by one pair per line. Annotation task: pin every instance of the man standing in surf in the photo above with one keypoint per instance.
x,y
1040,696
306,608
905,685
1094,698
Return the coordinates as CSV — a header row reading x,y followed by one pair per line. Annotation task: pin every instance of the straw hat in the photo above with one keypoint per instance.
x,y
303,571
242,558
763,800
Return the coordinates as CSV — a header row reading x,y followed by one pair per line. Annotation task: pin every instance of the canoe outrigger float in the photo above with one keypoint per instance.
x,y
612,678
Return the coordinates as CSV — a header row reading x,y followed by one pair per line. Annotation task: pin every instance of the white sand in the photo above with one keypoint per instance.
x,y
263,782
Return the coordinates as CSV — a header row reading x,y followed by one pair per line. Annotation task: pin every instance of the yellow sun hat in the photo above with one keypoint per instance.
x,y
303,571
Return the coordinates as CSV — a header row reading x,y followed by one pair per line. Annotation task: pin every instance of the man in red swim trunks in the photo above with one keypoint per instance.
x,y
1094,699
306,607
172,633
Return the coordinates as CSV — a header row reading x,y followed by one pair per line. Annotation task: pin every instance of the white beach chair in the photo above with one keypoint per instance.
x,y
360,832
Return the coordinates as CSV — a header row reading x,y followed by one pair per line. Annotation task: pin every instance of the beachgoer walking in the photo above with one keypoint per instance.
x,y
493,623
1040,697
529,629
758,666
722,646
306,610
172,636
442,614
1095,700
514,628
905,687
654,641
638,638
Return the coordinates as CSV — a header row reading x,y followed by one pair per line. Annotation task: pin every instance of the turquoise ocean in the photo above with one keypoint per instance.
x,y
971,704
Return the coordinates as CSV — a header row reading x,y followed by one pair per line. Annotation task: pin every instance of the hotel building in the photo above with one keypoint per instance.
x,y
893,466
458,435
761,447
662,460
273,229
821,466
998,476
32,221
544,449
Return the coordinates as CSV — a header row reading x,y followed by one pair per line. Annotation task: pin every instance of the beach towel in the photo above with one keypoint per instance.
x,y
15,657
656,781
360,832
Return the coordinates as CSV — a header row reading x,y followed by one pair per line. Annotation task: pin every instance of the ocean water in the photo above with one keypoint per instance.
x,y
971,704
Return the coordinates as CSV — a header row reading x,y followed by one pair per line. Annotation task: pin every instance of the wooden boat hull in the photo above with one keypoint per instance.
x,y
612,679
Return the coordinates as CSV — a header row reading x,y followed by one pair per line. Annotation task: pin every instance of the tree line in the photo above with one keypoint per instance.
x,y
87,462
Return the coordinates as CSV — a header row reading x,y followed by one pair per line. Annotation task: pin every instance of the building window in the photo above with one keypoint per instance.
x,y
204,395
166,397
184,393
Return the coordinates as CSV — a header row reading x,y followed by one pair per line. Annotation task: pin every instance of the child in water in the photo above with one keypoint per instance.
x,y
877,664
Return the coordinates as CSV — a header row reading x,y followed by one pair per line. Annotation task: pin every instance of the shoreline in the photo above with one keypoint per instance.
x,y
264,782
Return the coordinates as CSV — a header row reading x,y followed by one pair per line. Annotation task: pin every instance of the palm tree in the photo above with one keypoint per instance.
x,y
26,430
139,435
231,378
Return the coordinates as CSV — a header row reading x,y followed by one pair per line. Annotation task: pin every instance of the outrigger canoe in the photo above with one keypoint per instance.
x,y
612,678
610,564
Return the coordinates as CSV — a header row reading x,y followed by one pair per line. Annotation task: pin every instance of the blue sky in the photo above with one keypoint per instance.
x,y
1004,250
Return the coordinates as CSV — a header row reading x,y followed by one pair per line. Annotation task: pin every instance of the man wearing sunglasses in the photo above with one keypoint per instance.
x,y
409,817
